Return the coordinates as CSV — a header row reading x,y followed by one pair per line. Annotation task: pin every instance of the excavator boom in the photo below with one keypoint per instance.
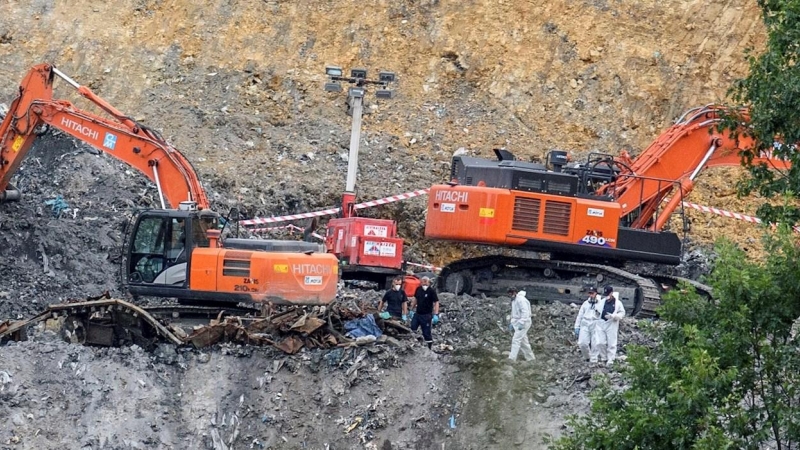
x,y
675,159
120,136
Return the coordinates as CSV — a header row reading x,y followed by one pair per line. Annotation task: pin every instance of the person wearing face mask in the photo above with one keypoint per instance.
x,y
396,302
520,323
607,329
425,310
585,325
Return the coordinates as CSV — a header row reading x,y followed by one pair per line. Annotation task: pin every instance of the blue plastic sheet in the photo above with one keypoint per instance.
x,y
364,326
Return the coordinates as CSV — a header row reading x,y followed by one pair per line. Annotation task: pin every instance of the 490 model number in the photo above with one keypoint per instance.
x,y
594,240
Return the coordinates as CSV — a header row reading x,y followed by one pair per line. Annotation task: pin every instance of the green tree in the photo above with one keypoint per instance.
x,y
725,373
771,91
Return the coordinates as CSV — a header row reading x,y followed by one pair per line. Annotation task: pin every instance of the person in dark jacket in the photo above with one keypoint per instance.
x,y
425,310
396,302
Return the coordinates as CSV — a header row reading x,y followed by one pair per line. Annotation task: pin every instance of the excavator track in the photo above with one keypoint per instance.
x,y
550,280
113,322
670,281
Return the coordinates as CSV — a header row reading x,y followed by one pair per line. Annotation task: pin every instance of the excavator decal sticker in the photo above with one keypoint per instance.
x,y
17,144
110,141
303,269
448,207
594,237
452,196
595,212
313,280
80,128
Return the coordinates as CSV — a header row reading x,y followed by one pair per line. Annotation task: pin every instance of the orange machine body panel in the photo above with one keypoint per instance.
x,y
365,241
281,278
497,216
410,285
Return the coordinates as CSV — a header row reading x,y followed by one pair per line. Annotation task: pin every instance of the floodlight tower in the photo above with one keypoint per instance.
x,y
368,249
355,102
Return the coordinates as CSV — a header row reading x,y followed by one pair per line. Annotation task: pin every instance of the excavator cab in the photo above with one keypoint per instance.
x,y
177,253
162,243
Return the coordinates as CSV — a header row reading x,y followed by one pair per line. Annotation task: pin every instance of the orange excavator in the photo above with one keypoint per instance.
x,y
171,252
591,217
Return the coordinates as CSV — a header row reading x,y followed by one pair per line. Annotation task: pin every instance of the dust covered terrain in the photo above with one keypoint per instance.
x,y
396,394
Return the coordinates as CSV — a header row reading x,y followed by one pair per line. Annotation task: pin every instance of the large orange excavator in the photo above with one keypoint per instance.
x,y
591,217
171,252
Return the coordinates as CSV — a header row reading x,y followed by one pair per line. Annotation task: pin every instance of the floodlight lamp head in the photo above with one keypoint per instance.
x,y
333,87
356,92
384,93
386,76
358,73
333,71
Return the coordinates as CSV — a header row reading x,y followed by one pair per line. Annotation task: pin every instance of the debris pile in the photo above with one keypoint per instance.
x,y
105,321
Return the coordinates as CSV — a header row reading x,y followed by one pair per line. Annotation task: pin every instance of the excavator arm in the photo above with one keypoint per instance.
x,y
672,162
119,136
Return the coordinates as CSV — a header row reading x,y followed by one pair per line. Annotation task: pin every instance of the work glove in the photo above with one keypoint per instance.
x,y
435,319
405,318
411,314
385,315
577,332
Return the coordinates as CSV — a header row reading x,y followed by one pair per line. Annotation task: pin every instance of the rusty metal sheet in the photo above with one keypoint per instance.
x,y
330,340
205,336
259,326
307,324
290,345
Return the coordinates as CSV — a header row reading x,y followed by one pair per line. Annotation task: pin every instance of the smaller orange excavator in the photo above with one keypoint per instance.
x,y
171,252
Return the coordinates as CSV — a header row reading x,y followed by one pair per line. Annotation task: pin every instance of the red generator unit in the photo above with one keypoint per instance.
x,y
368,249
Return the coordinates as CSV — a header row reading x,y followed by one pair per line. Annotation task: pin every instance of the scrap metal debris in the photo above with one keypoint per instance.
x,y
104,321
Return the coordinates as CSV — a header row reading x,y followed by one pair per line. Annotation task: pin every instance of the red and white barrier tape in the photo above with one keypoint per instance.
x,y
331,211
728,214
392,199
722,212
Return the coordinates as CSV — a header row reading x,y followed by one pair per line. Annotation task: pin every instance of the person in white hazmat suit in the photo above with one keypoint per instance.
x,y
521,323
585,325
607,328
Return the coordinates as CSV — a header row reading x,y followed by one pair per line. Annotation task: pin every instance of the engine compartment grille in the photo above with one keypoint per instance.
x,y
526,214
557,217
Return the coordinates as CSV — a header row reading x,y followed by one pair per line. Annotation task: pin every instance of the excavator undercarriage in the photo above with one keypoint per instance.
x,y
565,281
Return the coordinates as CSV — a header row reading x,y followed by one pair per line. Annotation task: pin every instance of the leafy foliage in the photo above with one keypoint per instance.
x,y
772,93
725,372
